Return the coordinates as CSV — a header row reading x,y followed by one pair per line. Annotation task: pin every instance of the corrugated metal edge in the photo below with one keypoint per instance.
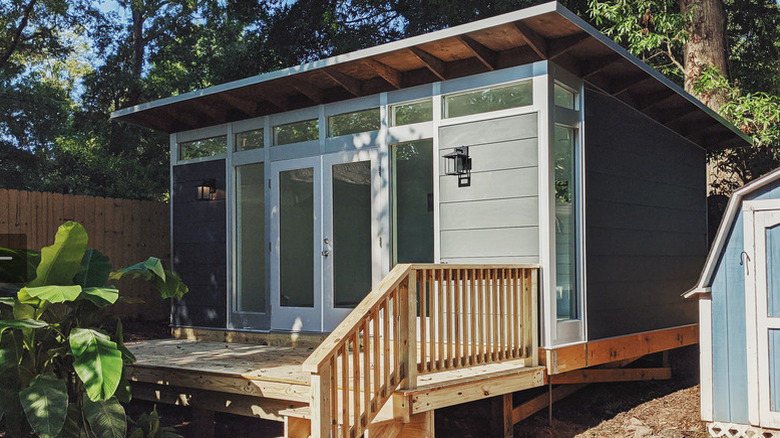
x,y
705,280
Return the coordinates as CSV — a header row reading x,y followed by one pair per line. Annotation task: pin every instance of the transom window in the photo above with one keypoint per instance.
x,y
207,147
488,99
249,140
411,112
296,132
354,122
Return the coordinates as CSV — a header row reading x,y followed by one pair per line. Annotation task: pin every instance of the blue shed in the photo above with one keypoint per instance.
x,y
739,307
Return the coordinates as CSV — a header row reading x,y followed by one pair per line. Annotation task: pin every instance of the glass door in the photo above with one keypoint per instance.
x,y
352,248
296,245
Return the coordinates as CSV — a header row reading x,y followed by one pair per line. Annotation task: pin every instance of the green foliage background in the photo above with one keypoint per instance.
x,y
66,64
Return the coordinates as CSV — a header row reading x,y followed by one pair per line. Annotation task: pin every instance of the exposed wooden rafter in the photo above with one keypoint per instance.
x,y
313,93
352,85
533,39
277,101
563,45
434,64
209,110
391,75
188,118
621,85
596,65
650,101
485,55
671,118
245,106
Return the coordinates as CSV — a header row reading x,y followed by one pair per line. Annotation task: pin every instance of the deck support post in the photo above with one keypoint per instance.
x,y
203,422
321,420
408,332
501,425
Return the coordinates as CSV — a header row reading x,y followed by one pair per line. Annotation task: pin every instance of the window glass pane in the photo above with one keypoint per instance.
x,y
207,147
352,123
249,140
351,232
563,97
250,196
296,238
297,132
565,223
488,99
408,113
412,198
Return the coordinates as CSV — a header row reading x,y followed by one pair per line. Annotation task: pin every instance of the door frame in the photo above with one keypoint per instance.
x,y
287,318
757,215
332,316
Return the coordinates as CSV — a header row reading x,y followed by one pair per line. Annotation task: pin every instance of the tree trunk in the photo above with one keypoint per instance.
x,y
706,46
139,49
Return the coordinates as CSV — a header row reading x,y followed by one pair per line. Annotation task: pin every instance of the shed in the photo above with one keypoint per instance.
x,y
739,307
513,183
317,179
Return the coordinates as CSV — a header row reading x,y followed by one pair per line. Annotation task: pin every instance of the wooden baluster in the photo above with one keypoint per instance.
x,y
397,336
488,316
456,340
334,397
355,381
515,315
526,313
440,308
423,279
366,374
532,337
448,318
504,315
481,315
386,341
377,360
496,335
344,390
473,309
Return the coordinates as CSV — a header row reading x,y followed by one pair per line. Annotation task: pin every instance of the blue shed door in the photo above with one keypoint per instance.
x,y
766,296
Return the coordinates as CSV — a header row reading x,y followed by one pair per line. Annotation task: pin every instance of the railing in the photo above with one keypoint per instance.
x,y
448,316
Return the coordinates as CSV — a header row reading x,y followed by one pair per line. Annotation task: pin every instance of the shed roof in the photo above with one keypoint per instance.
x,y
544,32
705,280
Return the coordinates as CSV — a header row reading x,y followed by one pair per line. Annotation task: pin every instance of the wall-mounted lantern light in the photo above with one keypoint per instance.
x,y
207,190
459,163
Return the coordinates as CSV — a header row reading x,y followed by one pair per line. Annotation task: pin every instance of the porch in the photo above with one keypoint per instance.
x,y
470,331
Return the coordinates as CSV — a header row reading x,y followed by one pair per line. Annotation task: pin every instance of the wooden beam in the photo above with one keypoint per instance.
x,y
486,56
619,348
621,85
298,428
207,109
599,375
280,102
563,45
537,42
674,120
245,106
389,74
650,101
593,66
440,396
313,93
541,401
434,64
352,85
501,416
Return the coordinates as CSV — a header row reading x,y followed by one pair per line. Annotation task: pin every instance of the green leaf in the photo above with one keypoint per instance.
x,y
97,361
101,296
172,286
127,355
8,301
95,268
21,324
74,426
62,261
45,403
21,267
54,293
106,417
147,269
24,311
124,392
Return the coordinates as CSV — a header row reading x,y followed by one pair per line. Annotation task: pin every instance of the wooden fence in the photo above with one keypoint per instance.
x,y
127,231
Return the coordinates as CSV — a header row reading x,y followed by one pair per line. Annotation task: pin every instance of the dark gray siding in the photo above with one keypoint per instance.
x,y
646,220
199,251
496,219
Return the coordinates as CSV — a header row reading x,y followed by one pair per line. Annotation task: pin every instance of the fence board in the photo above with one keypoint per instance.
x,y
126,231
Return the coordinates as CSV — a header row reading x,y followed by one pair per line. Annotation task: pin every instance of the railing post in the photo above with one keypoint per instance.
x,y
534,317
408,332
320,403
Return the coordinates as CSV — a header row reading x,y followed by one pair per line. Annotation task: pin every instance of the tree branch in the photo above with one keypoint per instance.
x,y
17,35
672,58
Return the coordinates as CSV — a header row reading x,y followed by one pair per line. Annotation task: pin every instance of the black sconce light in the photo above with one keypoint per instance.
x,y
459,163
207,190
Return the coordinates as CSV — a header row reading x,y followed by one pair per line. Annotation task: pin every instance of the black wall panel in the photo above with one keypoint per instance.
x,y
199,247
646,220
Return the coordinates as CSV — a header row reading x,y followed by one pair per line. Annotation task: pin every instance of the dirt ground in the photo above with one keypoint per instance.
x,y
661,409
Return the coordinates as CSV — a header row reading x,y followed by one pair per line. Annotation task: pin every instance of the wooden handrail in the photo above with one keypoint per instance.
x,y
450,316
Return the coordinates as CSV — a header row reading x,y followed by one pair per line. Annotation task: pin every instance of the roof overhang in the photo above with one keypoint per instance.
x,y
544,32
704,285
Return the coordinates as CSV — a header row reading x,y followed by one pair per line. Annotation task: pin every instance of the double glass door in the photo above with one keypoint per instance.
x,y
325,238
